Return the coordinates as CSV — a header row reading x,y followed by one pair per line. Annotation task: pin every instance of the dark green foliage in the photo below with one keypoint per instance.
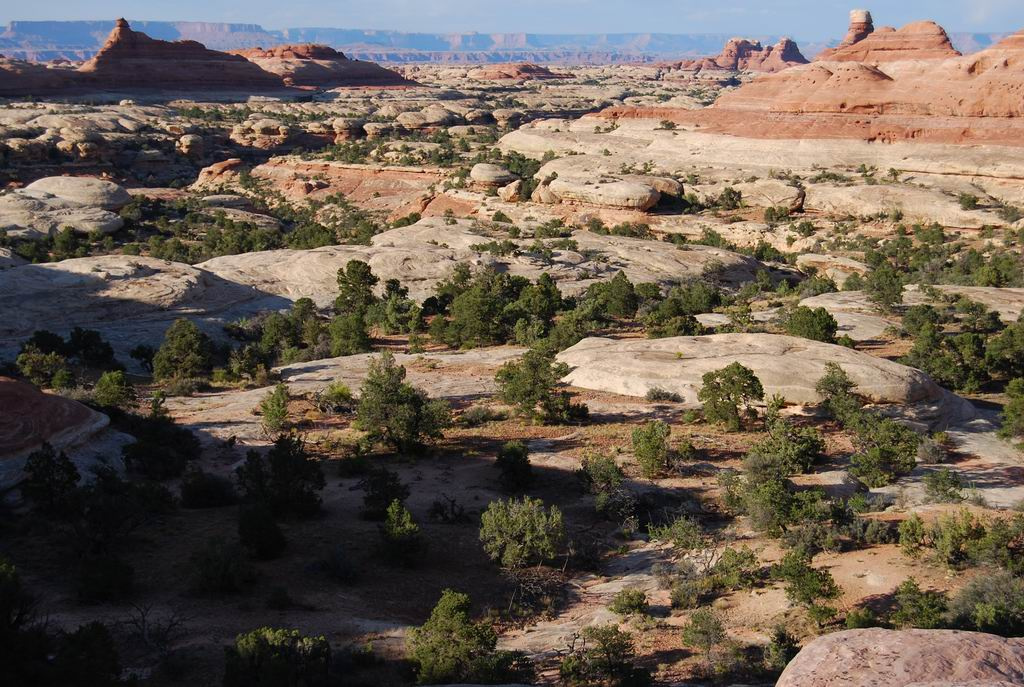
x,y
513,463
1004,353
162,449
50,480
1013,412
956,361
917,608
286,479
449,648
355,289
837,392
400,534
787,450
704,631
43,369
393,411
90,349
886,449
108,509
990,603
269,657
204,490
723,393
274,409
917,316
519,532
529,384
884,287
807,585
815,324
219,568
259,532
782,648
185,353
606,657
943,486
113,390
630,602
650,446
383,487
348,335
603,477
614,298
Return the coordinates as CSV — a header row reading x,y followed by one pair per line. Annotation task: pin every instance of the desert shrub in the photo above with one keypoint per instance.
x,y
917,316
113,390
162,449
787,450
286,479
109,508
861,618
1004,352
968,201
912,535
475,416
86,657
917,608
400,535
269,657
50,480
650,446
259,532
333,398
990,603
393,411
685,534
382,488
449,647
348,335
836,390
704,631
662,396
815,324
513,463
807,585
43,369
614,298
781,649
519,532
723,393
274,409
1012,416
606,656
886,449
204,490
186,353
954,537
884,287
355,288
529,385
602,477
943,486
219,568
630,602
104,578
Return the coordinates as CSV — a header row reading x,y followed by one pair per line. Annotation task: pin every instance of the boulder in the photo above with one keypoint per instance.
x,y
835,267
84,192
512,193
788,366
486,174
629,195
190,145
907,658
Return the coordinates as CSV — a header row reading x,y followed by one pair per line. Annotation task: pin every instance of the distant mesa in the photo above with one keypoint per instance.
x,y
131,61
741,54
320,66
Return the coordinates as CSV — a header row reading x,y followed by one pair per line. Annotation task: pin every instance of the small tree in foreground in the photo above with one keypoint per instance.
x,y
529,384
1013,411
400,534
268,657
605,656
650,446
725,391
113,390
518,532
274,409
513,462
705,631
393,411
185,353
287,479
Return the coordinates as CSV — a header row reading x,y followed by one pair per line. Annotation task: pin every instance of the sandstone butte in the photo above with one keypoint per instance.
x,y
523,71
131,60
922,96
320,66
923,40
740,54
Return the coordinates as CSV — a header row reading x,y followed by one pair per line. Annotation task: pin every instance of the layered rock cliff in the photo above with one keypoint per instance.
x,y
320,66
740,54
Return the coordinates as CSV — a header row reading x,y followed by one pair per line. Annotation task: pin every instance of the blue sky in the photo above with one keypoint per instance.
x,y
799,18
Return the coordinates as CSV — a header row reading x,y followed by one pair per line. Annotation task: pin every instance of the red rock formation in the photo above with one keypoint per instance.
x,y
131,60
523,71
923,40
19,78
977,98
31,418
320,66
740,54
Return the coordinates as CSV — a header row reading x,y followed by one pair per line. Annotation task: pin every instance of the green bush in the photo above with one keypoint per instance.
x,y
513,463
269,657
917,608
204,490
704,631
518,532
990,603
912,535
113,390
529,384
943,486
650,446
219,568
50,480
886,449
186,353
355,289
815,324
383,487
685,534
1013,412
348,335
450,648
607,657
274,409
630,602
393,411
259,532
724,391
43,369
807,585
286,479
400,534
884,287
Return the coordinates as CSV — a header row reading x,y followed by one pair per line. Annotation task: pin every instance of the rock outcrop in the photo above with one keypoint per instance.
x,y
48,205
523,71
132,61
320,66
740,54
786,365
918,658
923,40
19,78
